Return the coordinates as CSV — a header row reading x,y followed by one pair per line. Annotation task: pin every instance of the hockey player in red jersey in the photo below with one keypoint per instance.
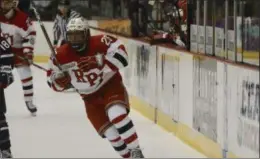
x,y
18,29
91,64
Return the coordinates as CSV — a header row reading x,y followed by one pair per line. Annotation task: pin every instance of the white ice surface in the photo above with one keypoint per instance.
x,y
61,128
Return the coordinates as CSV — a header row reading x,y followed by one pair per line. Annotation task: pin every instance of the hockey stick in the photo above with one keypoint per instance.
x,y
34,64
53,52
38,66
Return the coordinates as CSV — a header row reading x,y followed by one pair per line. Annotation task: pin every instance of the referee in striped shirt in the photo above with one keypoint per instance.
x,y
65,14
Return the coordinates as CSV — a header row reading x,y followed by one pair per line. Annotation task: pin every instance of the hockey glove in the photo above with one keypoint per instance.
x,y
62,80
6,76
91,62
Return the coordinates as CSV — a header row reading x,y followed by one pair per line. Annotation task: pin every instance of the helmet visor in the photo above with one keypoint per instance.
x,y
76,37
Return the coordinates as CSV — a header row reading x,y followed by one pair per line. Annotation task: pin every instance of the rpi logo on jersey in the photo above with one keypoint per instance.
x,y
93,78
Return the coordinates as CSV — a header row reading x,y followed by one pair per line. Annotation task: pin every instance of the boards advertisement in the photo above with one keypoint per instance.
x,y
205,97
145,71
120,26
243,114
168,82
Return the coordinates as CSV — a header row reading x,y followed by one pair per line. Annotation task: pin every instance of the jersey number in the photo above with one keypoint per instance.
x,y
107,40
4,45
9,38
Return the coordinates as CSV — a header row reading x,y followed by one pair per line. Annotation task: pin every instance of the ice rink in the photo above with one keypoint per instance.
x,y
62,130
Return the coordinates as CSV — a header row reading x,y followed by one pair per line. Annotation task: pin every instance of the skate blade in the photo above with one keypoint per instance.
x,y
34,114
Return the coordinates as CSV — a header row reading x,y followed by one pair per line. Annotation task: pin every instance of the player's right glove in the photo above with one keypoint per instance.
x,y
62,80
6,76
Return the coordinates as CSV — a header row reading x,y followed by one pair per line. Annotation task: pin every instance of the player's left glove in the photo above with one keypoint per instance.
x,y
90,62
6,76
62,79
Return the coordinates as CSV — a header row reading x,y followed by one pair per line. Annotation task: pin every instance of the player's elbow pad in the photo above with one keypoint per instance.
x,y
117,60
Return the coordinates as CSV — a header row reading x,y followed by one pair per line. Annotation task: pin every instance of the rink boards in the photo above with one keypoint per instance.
x,y
208,103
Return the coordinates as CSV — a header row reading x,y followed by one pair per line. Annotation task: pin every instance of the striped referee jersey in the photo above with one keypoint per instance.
x,y
60,23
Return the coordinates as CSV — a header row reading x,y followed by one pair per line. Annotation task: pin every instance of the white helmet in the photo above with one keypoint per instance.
x,y
77,24
78,33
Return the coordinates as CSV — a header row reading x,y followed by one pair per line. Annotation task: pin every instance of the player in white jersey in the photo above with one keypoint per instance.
x,y
18,29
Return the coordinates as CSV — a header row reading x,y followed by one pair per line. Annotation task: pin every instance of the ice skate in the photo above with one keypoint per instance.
x,y
6,154
136,153
31,107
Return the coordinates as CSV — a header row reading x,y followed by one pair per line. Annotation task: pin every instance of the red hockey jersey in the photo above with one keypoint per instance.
x,y
19,32
89,82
